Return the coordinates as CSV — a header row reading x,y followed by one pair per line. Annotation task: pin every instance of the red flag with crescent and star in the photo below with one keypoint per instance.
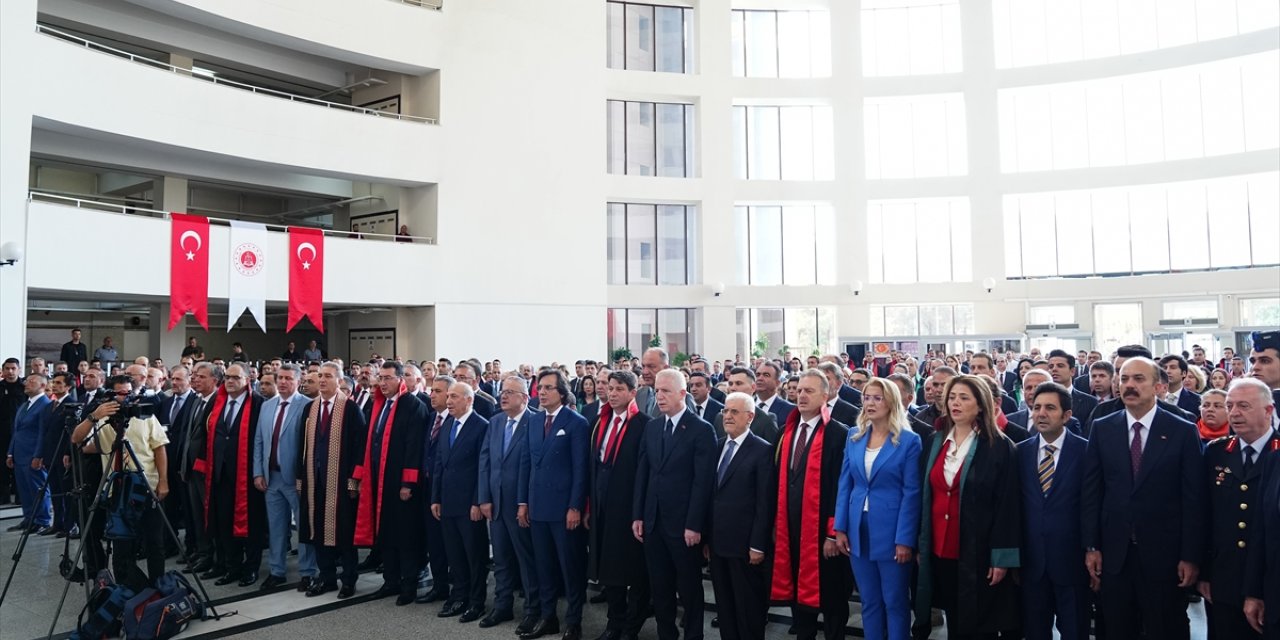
x,y
306,277
188,269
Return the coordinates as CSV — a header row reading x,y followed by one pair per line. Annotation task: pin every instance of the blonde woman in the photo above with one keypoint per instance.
x,y
971,524
878,509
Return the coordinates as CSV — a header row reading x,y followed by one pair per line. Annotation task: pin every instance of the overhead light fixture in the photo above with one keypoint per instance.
x,y
856,287
717,289
203,72
10,254
988,284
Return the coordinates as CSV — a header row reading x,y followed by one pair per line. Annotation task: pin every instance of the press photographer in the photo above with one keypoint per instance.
x,y
147,439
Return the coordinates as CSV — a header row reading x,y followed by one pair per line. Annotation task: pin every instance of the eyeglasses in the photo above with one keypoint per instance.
x,y
511,392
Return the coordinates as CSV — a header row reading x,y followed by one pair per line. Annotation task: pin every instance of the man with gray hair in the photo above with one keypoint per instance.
x,y
275,473
674,481
455,503
1234,486
739,530
653,361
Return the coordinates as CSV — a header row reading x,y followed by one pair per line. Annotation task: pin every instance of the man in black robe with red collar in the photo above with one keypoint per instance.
x,y
390,508
332,447
809,572
235,511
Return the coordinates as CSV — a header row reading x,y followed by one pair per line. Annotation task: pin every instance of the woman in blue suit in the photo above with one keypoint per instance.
x,y
878,510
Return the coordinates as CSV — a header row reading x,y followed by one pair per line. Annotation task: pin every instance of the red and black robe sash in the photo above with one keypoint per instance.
x,y
244,467
801,588
369,511
615,443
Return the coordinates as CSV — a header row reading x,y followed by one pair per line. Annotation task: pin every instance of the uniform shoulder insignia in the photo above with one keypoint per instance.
x,y
1222,441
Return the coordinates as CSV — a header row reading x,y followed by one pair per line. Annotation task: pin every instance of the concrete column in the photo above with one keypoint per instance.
x,y
171,194
162,342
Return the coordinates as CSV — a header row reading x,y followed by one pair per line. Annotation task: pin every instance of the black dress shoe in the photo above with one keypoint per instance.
x,y
228,578
572,632
319,588
451,609
43,531
272,582
367,564
543,628
598,598
434,595
17,527
213,572
526,624
715,622
495,618
346,591
471,615
60,535
386,591
610,635
304,583
404,598
249,579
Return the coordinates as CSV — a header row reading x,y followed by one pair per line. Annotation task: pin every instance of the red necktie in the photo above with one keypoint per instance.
x,y
324,417
275,436
546,426
612,444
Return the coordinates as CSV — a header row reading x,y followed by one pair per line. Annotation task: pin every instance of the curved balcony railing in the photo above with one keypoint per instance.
x,y
156,64
113,205
435,5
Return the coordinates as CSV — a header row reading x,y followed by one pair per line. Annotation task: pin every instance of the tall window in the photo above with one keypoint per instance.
x,y
645,37
1116,325
781,44
916,136
1034,32
791,245
919,241
651,243
1260,312
922,320
635,328
1185,226
769,332
910,37
1189,309
651,139
783,143
1052,314
1216,108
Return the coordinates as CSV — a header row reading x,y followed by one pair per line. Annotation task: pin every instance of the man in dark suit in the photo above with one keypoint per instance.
x,y
1009,381
616,558
674,480
1264,361
1143,509
26,457
1176,367
906,389
763,424
1262,571
1233,479
231,501
206,378
1030,383
933,395
469,374
1054,580
1061,366
767,377
174,414
56,448
841,411
74,352
741,525
504,500
850,392
558,476
455,501
704,406
982,364
1123,354
437,558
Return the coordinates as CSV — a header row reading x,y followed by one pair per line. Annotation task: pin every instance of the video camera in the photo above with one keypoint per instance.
x,y
134,405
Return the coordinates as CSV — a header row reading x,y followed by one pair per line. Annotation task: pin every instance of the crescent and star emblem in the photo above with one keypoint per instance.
x,y
182,243
306,246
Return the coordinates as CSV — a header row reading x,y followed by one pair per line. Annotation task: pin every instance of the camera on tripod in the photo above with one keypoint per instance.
x,y
134,405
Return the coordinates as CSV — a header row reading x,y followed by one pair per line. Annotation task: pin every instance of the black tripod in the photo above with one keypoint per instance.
x,y
117,457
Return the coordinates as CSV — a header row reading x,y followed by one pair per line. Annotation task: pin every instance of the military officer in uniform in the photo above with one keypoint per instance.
x,y
1234,472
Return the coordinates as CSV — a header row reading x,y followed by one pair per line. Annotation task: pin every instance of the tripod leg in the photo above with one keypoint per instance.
x,y
26,533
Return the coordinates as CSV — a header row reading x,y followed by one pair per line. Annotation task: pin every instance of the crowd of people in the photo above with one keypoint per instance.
x,y
1015,493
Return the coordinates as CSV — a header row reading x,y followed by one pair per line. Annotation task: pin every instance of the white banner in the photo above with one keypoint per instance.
x,y
247,273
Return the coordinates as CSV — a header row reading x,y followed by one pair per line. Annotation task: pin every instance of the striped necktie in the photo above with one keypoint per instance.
x,y
1045,470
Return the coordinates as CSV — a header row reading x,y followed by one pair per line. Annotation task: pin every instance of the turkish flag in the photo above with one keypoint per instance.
x,y
306,277
188,269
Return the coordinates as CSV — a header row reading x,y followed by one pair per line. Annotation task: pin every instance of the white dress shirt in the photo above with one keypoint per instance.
x,y
956,454
1146,421
1057,448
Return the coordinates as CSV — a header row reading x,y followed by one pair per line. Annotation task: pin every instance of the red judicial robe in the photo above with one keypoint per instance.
x,y
390,463
816,577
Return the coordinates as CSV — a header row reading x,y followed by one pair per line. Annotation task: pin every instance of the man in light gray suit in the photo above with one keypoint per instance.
x,y
275,467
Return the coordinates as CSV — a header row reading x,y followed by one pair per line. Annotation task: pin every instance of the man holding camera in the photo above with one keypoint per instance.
x,y
147,441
